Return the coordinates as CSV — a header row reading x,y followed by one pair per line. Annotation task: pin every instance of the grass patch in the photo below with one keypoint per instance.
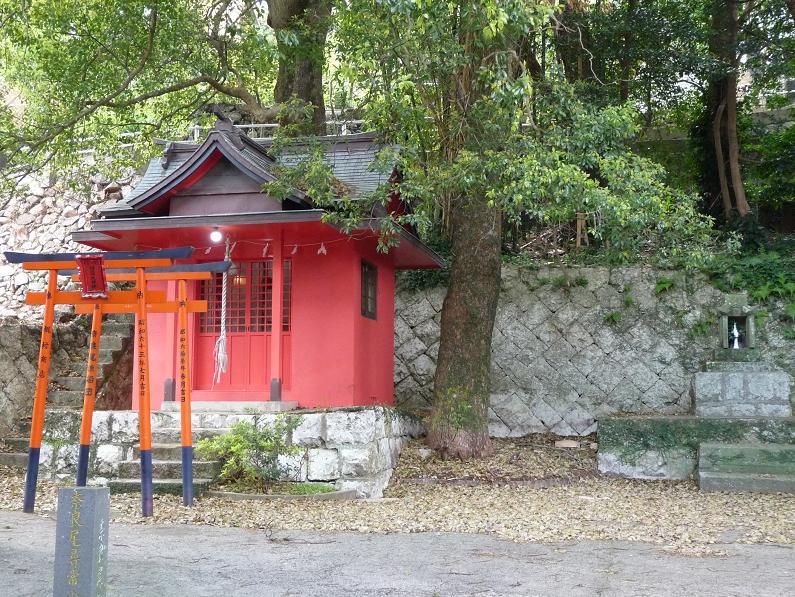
x,y
275,487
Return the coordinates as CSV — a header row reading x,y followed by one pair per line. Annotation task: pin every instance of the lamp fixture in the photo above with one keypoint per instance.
x,y
216,236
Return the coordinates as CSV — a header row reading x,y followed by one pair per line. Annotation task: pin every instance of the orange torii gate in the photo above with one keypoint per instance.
x,y
95,270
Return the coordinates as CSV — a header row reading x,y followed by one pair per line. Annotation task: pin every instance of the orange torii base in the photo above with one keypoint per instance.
x,y
95,298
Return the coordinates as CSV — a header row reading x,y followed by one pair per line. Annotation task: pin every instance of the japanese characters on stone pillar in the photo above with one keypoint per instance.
x,y
81,542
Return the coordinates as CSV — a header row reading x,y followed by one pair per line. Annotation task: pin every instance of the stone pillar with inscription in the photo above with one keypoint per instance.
x,y
81,542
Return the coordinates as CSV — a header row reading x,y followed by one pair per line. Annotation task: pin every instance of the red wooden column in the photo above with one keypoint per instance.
x,y
277,291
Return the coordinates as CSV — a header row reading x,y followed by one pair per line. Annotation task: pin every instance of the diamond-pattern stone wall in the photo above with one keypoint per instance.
x,y
571,345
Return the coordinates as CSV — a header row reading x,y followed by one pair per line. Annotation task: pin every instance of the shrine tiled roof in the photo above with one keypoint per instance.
x,y
351,158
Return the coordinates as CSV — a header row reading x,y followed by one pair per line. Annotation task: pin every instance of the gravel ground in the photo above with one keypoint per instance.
x,y
583,507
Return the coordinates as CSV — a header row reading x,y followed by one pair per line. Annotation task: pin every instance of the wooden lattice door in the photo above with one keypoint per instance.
x,y
249,320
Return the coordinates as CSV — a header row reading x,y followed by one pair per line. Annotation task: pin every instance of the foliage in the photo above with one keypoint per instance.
x,y
765,274
702,327
612,318
250,451
125,71
771,168
629,298
663,285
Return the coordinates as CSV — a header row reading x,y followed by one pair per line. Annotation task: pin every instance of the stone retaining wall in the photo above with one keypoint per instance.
x,y
352,448
40,220
572,345
19,354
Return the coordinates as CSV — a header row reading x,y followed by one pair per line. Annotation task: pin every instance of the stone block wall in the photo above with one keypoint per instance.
x,y
355,448
572,345
40,219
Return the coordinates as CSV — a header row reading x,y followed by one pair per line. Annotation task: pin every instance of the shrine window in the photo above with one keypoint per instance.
x,y
369,290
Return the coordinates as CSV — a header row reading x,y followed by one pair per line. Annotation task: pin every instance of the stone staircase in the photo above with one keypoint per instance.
x,y
214,419
746,389
67,385
746,467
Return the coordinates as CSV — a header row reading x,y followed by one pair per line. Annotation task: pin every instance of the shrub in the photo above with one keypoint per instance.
x,y
251,450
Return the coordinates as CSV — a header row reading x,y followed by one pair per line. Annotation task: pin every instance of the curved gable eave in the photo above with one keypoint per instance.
x,y
197,165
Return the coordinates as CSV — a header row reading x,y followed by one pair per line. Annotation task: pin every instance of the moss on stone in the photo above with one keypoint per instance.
x,y
630,437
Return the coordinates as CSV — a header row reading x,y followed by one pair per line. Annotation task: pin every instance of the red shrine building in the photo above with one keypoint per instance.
x,y
309,309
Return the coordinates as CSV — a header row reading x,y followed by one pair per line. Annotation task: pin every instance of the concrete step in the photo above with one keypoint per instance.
x,y
742,394
240,407
747,458
170,469
16,444
172,435
754,482
161,486
14,460
62,398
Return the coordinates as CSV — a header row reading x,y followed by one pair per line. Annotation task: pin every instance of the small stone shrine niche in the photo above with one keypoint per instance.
x,y
737,326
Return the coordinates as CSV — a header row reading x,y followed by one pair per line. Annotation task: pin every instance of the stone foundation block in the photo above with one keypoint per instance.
x,y
360,462
353,427
294,466
311,430
323,465
673,464
107,459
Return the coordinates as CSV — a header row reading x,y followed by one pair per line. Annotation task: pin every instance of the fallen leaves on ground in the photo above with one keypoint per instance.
x,y
514,461
673,514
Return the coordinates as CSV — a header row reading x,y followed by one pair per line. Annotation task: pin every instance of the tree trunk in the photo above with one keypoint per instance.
x,y
720,162
720,125
459,421
299,82
740,200
629,42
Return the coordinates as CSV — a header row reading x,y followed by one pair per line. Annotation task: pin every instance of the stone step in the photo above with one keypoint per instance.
x,y
117,328
62,398
162,451
16,444
742,394
755,482
747,458
171,435
160,486
105,356
75,384
739,367
740,355
127,318
169,469
14,460
241,407
112,342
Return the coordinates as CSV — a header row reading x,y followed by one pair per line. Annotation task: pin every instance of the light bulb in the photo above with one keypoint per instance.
x,y
216,236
